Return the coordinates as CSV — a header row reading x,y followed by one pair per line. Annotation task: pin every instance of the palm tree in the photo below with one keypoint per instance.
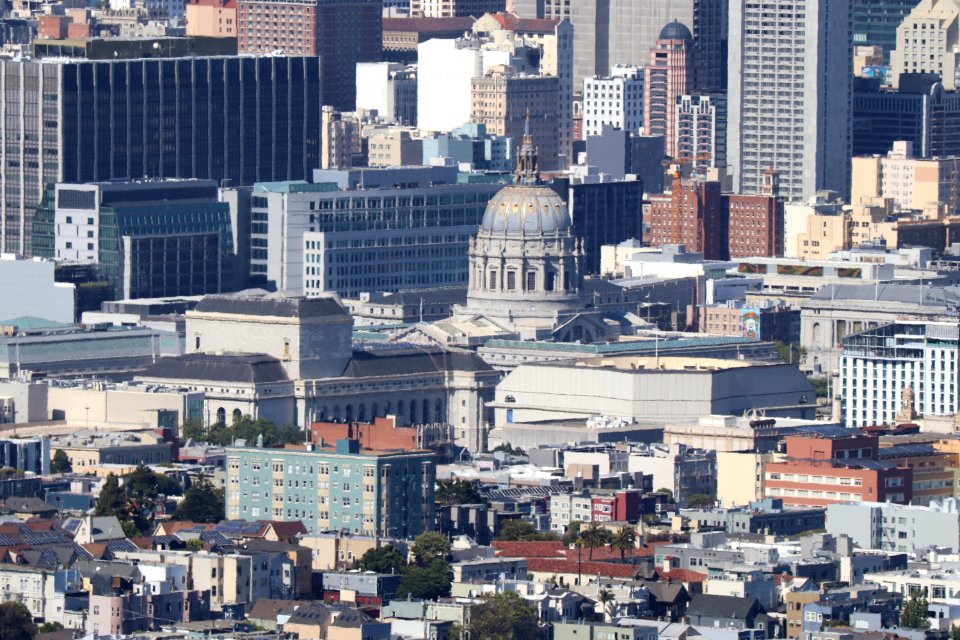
x,y
593,536
607,600
623,539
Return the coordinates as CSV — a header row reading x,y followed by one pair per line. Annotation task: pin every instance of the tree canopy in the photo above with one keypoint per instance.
x,y
522,530
699,500
385,559
60,463
503,616
16,623
134,501
430,576
246,428
202,503
913,613
457,492
593,536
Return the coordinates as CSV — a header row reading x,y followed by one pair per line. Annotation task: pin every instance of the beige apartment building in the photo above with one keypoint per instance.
x,y
913,184
212,18
507,103
740,476
927,40
393,147
89,450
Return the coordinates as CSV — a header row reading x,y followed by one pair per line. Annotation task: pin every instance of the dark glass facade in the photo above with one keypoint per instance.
x,y
244,119
875,22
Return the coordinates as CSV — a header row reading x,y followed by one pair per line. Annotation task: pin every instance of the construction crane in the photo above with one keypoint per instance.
x,y
676,205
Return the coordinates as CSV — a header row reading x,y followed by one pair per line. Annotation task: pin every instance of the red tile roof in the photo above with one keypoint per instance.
x,y
528,25
609,553
605,569
529,549
681,575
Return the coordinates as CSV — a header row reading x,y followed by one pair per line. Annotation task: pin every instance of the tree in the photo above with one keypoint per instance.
x,y
385,559
430,546
16,623
50,627
913,613
202,503
457,492
699,500
509,450
195,544
503,616
60,463
112,500
623,539
516,529
427,582
607,601
791,353
954,633
666,492
194,430
593,537
250,429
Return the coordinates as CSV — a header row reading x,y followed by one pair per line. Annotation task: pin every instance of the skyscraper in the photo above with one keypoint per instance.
x,y
667,76
875,22
341,32
710,33
927,42
239,118
790,82
609,32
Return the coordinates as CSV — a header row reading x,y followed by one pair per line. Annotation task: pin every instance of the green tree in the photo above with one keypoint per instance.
x,y
202,503
510,450
954,633
593,536
194,430
624,539
516,529
50,627
250,429
791,353
60,463
666,492
112,500
385,559
699,500
457,492
430,546
195,544
16,623
503,616
607,602
913,613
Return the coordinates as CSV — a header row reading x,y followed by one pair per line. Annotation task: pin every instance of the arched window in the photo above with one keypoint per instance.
x,y
438,411
362,413
425,413
336,413
387,410
413,412
349,413
400,407
551,281
323,414
221,416
237,414
374,411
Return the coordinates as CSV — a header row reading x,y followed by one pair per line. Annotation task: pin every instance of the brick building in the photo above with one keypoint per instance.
x,y
212,18
827,465
699,222
382,434
342,33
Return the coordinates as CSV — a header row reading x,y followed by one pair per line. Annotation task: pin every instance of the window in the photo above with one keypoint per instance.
x,y
511,280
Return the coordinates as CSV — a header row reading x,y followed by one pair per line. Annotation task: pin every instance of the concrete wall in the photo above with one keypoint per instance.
x,y
27,288
128,408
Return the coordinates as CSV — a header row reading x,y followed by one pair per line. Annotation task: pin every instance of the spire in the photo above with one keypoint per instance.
x,y
528,166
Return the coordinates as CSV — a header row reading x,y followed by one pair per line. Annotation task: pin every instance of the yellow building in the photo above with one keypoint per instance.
x,y
740,476
824,235
914,184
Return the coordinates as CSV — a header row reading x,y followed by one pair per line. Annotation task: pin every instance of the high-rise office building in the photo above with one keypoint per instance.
x,y
341,32
927,42
710,33
700,130
875,22
789,95
609,32
454,8
82,121
667,76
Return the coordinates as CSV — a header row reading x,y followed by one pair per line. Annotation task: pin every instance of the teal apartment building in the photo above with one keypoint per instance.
x,y
388,493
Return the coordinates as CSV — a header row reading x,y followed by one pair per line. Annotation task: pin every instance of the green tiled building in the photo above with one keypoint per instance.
x,y
387,493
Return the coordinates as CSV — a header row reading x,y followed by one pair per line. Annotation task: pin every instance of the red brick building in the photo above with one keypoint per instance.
x,y
698,224
342,33
382,435
833,466
754,225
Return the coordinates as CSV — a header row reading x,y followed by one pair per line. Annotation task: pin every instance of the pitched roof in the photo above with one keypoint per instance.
x,y
529,549
722,606
228,367
605,569
269,608
609,553
681,575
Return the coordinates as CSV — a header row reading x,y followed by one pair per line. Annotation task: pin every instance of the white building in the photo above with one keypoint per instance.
x,y
893,369
390,89
700,130
927,42
445,71
790,95
615,100
28,289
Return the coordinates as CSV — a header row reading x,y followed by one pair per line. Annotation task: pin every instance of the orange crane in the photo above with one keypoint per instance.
x,y
676,205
